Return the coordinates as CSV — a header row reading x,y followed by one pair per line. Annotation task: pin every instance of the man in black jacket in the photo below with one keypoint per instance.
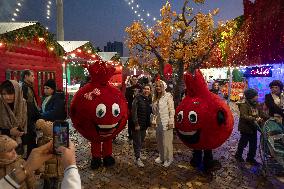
x,y
274,100
27,82
141,111
130,94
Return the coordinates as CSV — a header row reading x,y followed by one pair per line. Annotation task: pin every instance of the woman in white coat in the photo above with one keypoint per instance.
x,y
163,120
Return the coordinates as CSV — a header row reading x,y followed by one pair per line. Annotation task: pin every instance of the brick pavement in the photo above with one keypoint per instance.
x,y
125,174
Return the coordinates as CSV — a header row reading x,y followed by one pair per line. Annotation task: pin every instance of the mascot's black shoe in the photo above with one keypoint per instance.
x,y
96,163
194,162
212,165
109,161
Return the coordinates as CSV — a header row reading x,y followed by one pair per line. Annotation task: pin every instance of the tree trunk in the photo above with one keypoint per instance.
x,y
177,88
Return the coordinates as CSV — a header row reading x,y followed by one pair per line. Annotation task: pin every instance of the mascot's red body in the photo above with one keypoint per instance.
x,y
99,113
203,119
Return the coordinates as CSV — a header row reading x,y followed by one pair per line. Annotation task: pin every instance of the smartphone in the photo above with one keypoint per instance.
x,y
60,135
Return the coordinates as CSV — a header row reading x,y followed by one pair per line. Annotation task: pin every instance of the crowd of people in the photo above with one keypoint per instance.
x,y
252,116
149,105
20,152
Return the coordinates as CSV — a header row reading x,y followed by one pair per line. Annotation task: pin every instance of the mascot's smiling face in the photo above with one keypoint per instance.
x,y
203,120
99,110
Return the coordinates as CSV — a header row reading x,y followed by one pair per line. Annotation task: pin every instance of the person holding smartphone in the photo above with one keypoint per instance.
x,y
36,159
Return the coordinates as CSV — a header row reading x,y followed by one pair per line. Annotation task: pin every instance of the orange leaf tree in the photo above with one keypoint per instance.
x,y
177,39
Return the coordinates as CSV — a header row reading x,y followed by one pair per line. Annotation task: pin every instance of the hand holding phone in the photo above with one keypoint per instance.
x,y
60,135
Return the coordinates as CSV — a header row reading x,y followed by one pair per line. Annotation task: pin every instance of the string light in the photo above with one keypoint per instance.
x,y
19,4
143,16
48,10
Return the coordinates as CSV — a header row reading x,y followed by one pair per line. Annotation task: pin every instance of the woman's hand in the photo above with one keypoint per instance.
x,y
15,132
38,156
170,126
137,127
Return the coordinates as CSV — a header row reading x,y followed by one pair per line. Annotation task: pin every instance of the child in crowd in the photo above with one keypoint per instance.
x,y
52,170
250,117
9,160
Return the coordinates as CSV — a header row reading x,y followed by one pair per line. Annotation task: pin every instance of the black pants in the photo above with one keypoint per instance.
x,y
197,156
244,140
130,127
138,139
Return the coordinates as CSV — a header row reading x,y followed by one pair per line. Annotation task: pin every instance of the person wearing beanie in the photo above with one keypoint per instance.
x,y
274,101
53,106
250,118
163,119
9,160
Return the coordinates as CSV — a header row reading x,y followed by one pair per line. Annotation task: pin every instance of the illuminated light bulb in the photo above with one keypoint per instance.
x,y
15,14
135,12
137,6
46,28
1,44
48,6
17,10
129,3
139,15
73,55
49,2
132,8
79,50
148,14
48,17
154,19
48,13
94,56
19,4
41,39
51,48
13,19
132,1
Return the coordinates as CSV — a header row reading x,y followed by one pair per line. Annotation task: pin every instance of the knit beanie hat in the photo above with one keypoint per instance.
x,y
164,84
7,144
50,83
250,93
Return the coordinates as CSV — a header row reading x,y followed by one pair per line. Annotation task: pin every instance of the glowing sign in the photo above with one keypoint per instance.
x,y
264,71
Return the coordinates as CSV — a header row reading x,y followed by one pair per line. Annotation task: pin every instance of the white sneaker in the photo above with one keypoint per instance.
x,y
143,157
139,162
158,160
167,163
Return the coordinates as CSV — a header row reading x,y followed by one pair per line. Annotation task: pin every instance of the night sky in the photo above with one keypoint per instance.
x,y
100,21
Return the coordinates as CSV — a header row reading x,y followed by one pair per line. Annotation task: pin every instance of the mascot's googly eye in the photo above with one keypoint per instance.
x,y
192,116
115,110
101,110
180,116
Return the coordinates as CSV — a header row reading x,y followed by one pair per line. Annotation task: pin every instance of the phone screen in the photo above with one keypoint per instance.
x,y
60,135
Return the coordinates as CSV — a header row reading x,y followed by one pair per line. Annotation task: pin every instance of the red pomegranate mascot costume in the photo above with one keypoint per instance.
x,y
99,113
203,121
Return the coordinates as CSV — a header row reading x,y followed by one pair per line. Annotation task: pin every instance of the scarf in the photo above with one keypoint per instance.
x,y
276,99
17,117
45,101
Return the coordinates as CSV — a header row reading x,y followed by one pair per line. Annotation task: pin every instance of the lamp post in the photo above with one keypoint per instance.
x,y
59,24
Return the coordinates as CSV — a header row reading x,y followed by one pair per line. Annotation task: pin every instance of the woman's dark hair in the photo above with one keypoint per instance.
x,y
276,83
8,87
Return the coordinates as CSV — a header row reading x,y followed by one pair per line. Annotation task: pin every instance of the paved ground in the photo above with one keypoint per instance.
x,y
125,174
